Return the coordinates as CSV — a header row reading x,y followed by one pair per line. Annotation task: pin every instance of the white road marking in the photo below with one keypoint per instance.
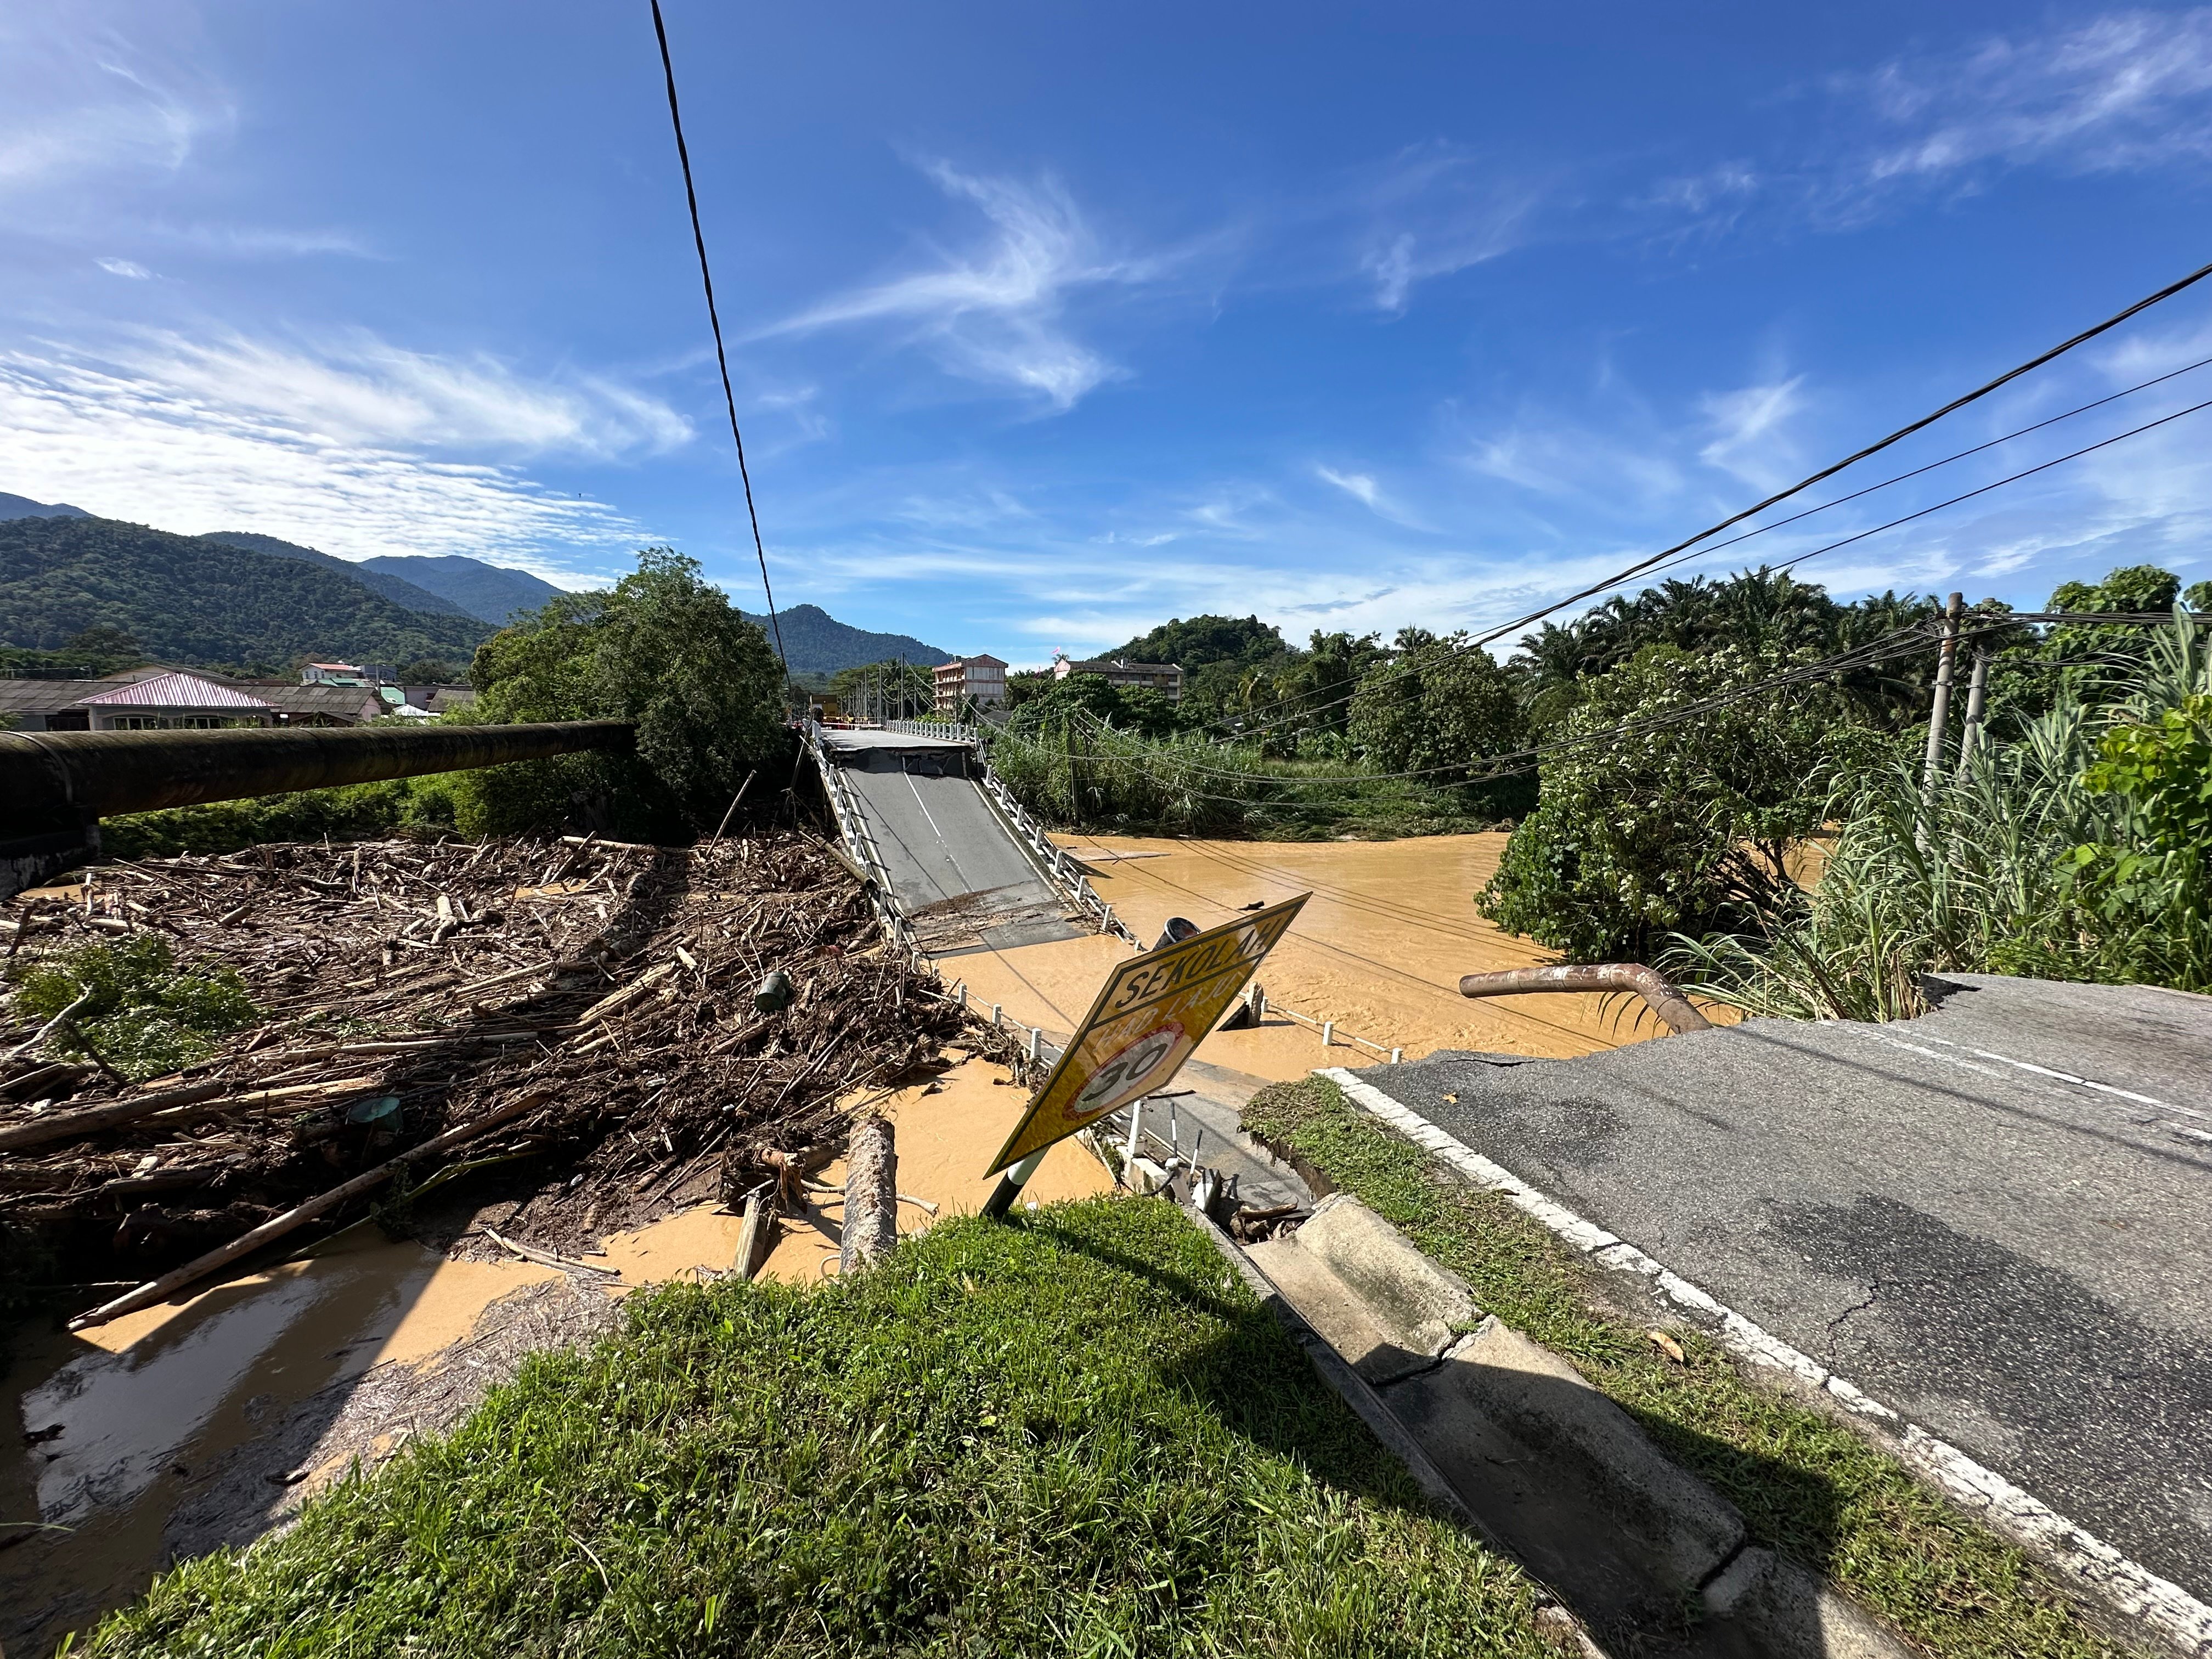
x,y
2133,1589
2025,1066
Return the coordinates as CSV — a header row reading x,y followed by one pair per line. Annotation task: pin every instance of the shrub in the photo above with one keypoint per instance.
x,y
146,1015
2073,853
1682,823
355,811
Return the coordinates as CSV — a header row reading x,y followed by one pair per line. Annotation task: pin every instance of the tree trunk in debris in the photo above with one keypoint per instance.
x,y
871,1195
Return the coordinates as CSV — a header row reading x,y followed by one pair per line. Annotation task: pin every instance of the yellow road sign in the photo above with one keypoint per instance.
x,y
1151,1014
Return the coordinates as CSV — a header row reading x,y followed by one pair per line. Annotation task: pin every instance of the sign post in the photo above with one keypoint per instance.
x,y
1149,1017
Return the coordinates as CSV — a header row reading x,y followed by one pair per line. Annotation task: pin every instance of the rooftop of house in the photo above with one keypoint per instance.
x,y
176,690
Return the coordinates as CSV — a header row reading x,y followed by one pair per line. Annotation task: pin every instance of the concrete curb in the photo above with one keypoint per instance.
x,y
2093,1566
1415,1301
1339,1376
1368,1406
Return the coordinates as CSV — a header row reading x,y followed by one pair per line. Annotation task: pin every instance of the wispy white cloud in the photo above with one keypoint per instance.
x,y
259,241
1363,488
2126,90
351,387
1612,467
129,268
358,447
996,311
1748,440
1435,209
97,90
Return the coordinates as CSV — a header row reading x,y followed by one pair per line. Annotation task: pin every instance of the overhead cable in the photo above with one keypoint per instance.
x,y
1701,551
714,319
1852,459
1458,648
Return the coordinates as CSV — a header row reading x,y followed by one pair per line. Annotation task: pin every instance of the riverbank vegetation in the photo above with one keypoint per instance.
x,y
1077,1432
1673,765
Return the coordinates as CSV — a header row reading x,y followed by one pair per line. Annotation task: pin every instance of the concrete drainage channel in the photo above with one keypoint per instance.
x,y
1648,1559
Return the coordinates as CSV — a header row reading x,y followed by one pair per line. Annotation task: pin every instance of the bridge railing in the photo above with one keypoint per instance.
x,y
950,731
861,847
1049,854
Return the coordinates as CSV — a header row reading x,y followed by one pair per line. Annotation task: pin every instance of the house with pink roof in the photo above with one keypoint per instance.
x,y
173,702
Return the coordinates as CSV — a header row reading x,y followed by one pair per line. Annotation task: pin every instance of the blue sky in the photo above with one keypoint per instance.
x,y
1048,323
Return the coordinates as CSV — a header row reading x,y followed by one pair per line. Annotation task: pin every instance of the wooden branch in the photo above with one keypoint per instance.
x,y
50,1027
65,1126
246,1243
750,1236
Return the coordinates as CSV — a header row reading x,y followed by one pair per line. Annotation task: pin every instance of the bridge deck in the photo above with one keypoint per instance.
x,y
956,871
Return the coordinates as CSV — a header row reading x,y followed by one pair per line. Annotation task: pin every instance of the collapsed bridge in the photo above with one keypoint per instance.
x,y
956,864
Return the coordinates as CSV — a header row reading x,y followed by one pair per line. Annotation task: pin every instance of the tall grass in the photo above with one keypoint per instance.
x,y
1097,776
1982,873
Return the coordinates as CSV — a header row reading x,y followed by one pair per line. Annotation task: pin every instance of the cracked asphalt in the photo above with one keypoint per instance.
x,y
1996,1219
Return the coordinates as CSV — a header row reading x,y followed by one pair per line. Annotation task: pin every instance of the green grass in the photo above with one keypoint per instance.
x,y
1076,1433
1807,1485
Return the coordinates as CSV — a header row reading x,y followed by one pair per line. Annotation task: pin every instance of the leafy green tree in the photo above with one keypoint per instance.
x,y
1682,823
1440,709
663,648
1027,684
1070,702
430,671
1201,641
2149,888
2082,663
137,1011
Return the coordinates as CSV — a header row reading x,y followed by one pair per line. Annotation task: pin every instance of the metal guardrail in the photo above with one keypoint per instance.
x,y
950,731
1053,858
861,847
1330,1037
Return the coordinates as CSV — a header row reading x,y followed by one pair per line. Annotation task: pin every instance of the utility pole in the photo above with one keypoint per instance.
x,y
1978,685
1939,717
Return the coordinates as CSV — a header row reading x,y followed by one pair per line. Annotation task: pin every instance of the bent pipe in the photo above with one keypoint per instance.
x,y
50,779
1664,999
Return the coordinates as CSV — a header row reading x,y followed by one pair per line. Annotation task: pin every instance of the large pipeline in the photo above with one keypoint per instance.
x,y
55,787
1663,999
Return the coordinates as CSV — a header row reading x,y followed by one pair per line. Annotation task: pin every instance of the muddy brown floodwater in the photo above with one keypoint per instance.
x,y
1378,950
208,1421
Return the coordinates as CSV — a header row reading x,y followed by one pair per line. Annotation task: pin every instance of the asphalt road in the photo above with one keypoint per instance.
x,y
2013,1259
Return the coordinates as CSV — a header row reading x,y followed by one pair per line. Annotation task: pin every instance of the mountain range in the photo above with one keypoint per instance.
x,y
817,643
239,599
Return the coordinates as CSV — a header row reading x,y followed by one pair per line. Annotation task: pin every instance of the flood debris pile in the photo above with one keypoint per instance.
x,y
603,1017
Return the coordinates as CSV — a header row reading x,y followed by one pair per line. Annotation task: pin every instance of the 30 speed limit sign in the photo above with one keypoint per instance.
x,y
1149,1017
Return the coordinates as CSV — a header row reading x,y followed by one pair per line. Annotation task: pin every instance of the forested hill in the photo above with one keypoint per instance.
x,y
819,644
22,507
396,588
195,600
489,592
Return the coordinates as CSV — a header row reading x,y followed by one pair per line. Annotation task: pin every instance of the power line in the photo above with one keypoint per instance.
x,y
1461,648
1682,551
714,318
1901,477
1902,432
